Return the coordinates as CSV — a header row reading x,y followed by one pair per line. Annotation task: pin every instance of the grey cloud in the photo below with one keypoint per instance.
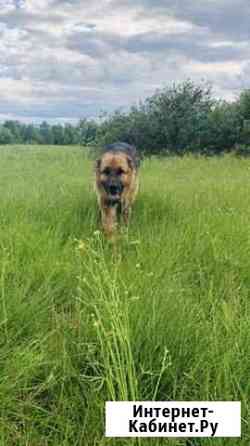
x,y
196,45
191,45
70,103
228,18
22,18
95,44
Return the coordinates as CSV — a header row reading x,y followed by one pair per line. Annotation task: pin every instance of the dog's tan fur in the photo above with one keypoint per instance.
x,y
116,162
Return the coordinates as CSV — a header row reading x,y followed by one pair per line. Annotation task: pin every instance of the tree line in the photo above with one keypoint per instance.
x,y
15,132
180,118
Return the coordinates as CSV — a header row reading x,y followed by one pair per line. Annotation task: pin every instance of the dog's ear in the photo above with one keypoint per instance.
x,y
130,162
97,165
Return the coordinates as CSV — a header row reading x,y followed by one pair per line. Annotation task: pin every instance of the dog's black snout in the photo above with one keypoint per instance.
x,y
113,189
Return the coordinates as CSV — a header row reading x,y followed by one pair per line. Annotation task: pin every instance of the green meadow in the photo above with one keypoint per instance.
x,y
161,315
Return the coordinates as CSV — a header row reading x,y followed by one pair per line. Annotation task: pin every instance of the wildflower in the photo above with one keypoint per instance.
x,y
135,298
81,245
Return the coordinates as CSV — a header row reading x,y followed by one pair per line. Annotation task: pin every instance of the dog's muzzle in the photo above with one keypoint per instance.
x,y
113,189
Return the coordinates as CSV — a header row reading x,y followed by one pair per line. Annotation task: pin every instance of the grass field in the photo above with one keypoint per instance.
x,y
163,316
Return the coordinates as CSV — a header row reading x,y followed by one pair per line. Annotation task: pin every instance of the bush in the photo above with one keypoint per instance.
x,y
242,150
170,121
223,128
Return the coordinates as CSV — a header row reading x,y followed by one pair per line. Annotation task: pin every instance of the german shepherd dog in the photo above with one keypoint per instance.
x,y
116,183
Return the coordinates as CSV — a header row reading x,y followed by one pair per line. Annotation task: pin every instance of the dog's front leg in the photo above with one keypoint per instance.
x,y
109,220
126,213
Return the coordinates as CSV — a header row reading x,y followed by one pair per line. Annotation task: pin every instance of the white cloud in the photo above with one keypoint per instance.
x,y
6,6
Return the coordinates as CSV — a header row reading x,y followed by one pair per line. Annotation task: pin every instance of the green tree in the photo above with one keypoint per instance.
x,y
179,116
46,133
223,128
58,134
6,136
15,127
87,131
70,135
244,112
31,134
173,119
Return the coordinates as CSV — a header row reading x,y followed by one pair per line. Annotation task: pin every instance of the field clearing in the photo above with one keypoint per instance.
x,y
165,316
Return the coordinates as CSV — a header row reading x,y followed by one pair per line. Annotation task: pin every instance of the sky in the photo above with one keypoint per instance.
x,y
62,60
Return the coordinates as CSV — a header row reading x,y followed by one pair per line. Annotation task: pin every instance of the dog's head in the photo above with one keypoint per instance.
x,y
114,173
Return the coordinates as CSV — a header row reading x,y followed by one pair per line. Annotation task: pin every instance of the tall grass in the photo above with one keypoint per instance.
x,y
164,315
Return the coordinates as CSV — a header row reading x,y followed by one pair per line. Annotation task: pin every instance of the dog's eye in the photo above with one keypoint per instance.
x,y
120,171
106,171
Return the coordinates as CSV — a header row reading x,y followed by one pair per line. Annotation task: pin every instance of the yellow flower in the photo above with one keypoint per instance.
x,y
81,245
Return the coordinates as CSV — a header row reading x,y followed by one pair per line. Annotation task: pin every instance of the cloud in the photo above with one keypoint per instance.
x,y
196,44
223,17
68,59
